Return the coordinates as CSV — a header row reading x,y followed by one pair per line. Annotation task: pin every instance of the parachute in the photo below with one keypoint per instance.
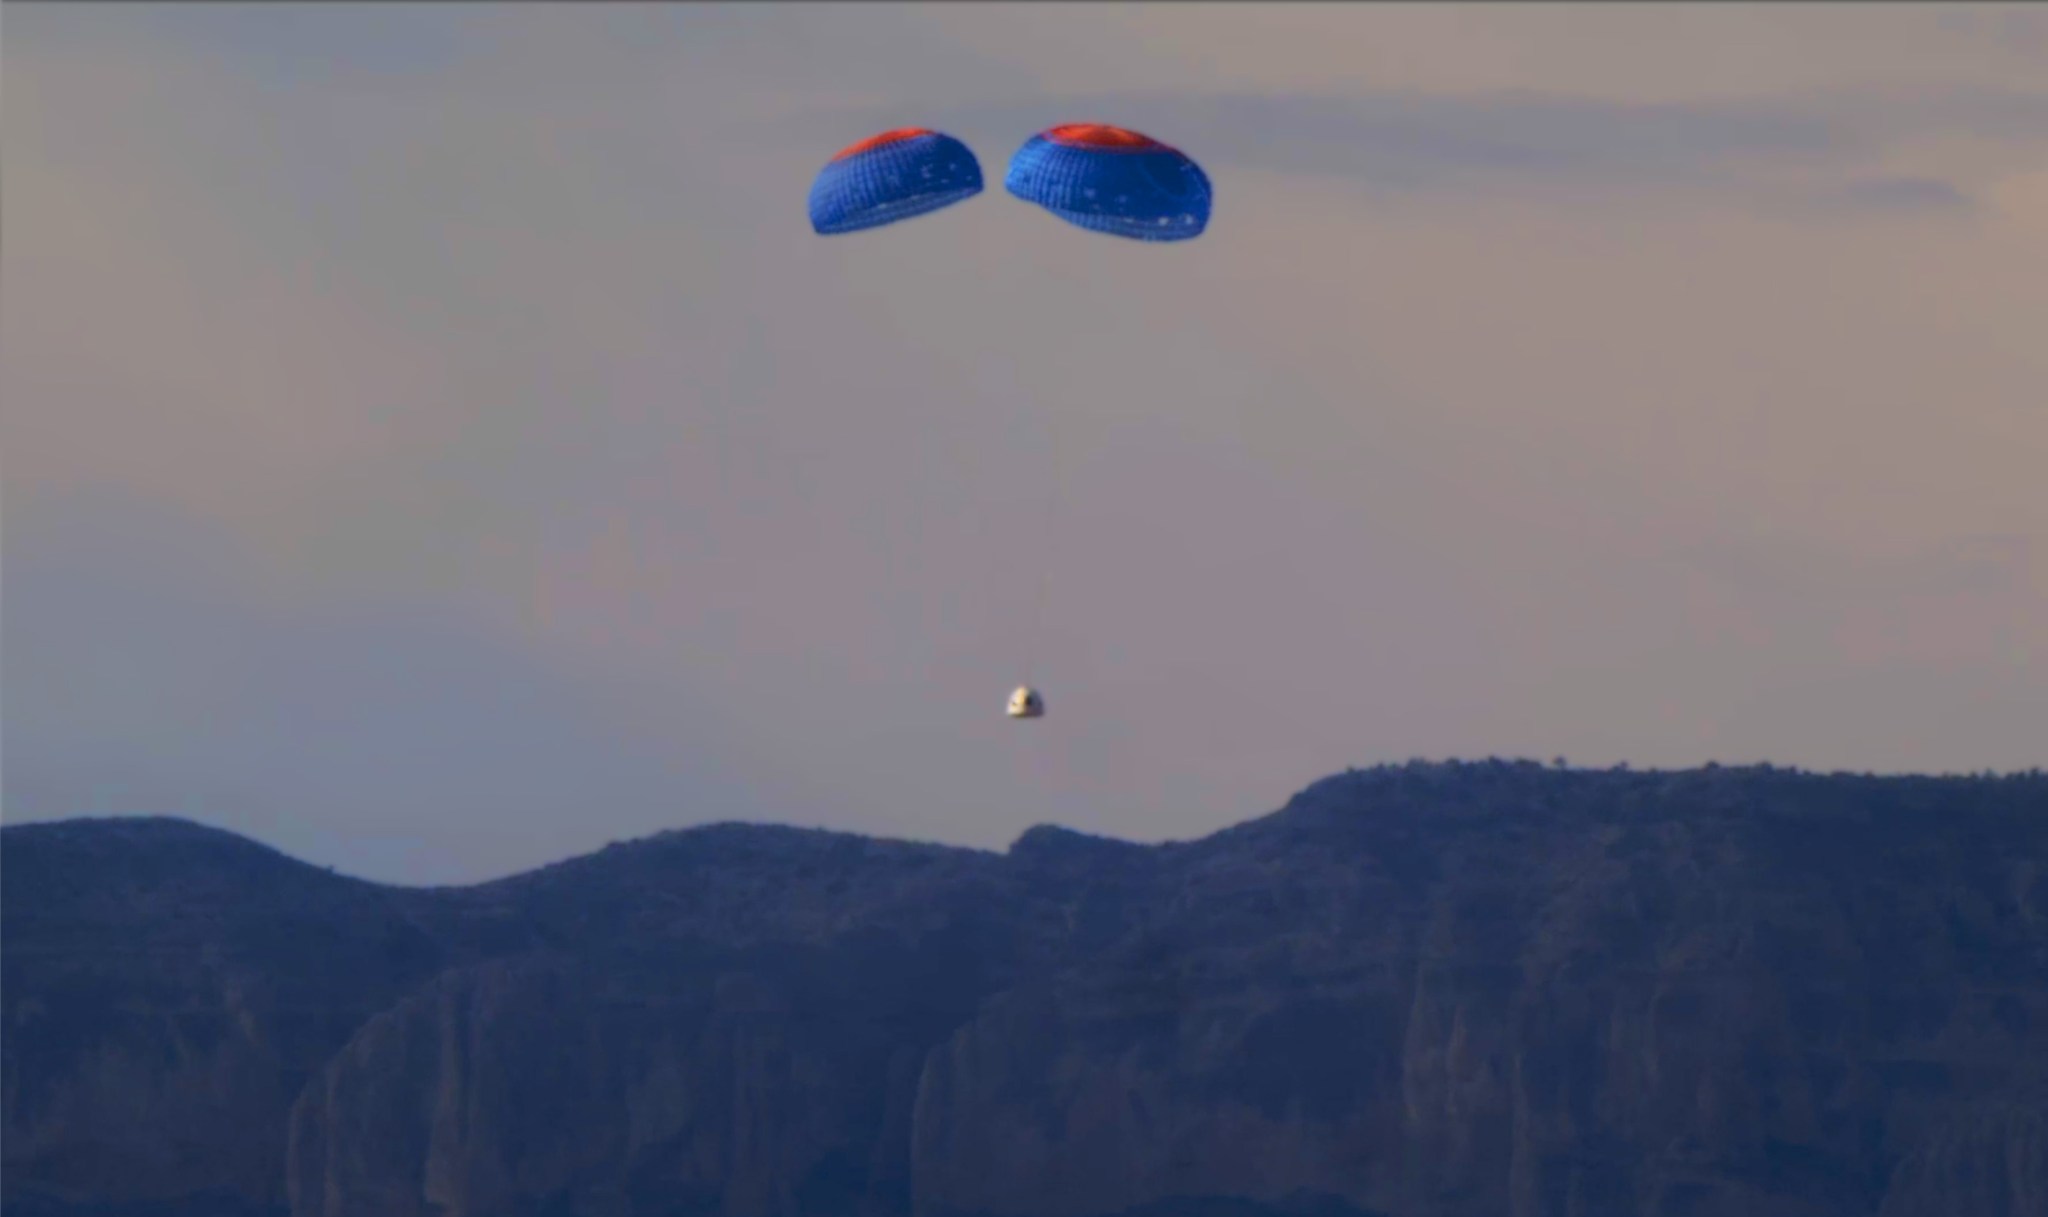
x,y
892,176
1111,180
1102,178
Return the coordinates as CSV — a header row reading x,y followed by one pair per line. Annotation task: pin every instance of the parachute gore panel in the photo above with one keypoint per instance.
x,y
1111,180
892,176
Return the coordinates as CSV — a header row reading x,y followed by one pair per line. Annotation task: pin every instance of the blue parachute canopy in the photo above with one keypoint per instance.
x,y
1111,180
892,176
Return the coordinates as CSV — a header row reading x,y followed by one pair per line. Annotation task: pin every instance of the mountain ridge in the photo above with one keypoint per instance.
x,y
714,830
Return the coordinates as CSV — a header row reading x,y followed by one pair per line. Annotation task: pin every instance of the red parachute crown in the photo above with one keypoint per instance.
x,y
876,141
1103,136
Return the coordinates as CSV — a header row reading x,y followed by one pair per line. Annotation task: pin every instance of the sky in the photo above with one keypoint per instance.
x,y
435,443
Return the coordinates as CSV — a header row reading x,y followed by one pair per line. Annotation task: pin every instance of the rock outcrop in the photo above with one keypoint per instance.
x,y
1425,991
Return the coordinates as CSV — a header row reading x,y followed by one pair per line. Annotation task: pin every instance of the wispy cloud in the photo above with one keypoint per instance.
x,y
2007,27
1419,142
1415,141
1894,194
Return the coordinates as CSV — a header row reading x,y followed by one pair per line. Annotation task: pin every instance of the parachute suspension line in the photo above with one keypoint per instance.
x,y
1049,543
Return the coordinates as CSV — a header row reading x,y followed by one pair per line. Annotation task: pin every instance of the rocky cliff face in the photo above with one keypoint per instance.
x,y
1429,991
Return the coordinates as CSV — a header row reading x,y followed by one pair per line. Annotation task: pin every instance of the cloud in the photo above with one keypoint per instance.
x,y
1411,142
1654,54
2010,28
1895,194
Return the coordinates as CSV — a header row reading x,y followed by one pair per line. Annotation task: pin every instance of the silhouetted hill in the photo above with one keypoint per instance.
x,y
1423,991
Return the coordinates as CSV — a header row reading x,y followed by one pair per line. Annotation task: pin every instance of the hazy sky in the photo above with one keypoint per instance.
x,y
436,444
